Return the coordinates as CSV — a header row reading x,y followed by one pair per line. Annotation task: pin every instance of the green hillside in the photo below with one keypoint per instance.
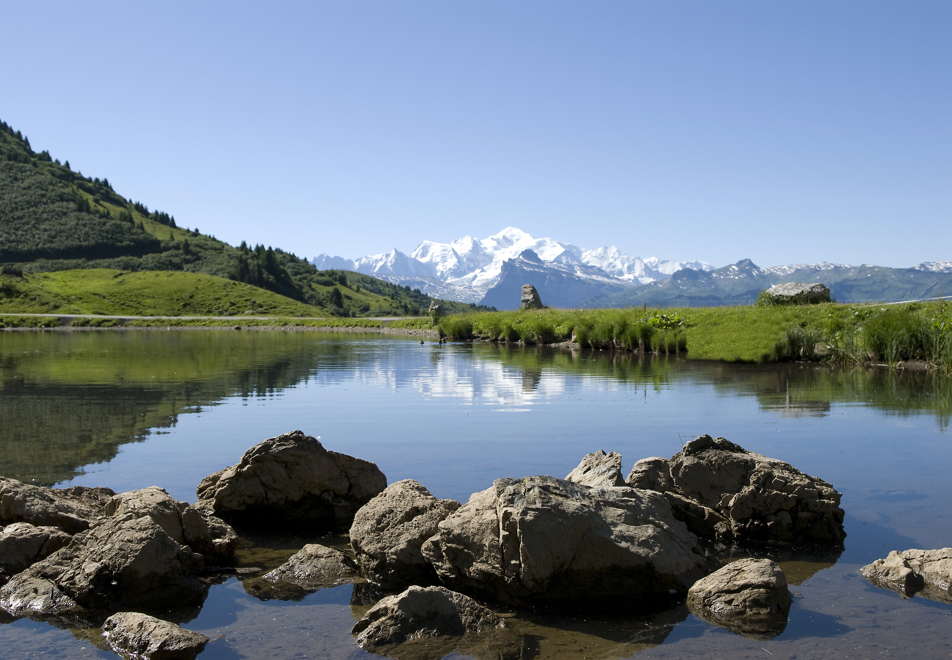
x,y
55,219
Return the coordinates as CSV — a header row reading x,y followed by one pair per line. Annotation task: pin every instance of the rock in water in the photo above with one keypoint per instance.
x,y
748,596
70,509
722,490
291,481
927,573
122,562
432,622
547,539
530,297
389,530
312,568
23,544
187,525
135,635
598,469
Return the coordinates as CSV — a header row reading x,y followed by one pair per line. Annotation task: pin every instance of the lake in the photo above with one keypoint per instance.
x,y
131,409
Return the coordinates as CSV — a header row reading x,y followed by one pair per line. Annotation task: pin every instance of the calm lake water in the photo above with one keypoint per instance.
x,y
134,409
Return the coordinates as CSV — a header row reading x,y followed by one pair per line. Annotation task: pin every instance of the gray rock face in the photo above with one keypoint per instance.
x,y
291,481
122,562
135,635
431,622
389,530
436,310
748,596
70,509
547,539
598,470
312,568
927,573
187,525
23,544
530,297
720,489
796,293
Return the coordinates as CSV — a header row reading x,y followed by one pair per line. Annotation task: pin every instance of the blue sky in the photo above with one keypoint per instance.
x,y
783,131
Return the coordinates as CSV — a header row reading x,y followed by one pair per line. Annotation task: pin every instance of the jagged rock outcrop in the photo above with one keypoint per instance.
x,y
312,568
721,490
598,469
23,544
530,297
185,524
927,573
432,622
436,310
547,539
291,481
138,636
120,563
70,509
389,530
797,293
748,596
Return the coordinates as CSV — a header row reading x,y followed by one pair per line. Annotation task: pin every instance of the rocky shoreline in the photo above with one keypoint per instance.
x,y
437,574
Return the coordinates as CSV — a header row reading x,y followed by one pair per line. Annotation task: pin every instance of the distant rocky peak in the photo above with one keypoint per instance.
x,y
530,256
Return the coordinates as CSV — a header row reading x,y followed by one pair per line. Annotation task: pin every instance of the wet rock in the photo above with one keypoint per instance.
x,y
185,524
122,562
389,530
547,539
291,481
133,636
70,509
598,469
432,622
748,596
312,568
927,573
22,544
743,497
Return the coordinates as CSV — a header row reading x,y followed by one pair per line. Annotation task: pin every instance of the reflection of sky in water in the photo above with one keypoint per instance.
x,y
433,414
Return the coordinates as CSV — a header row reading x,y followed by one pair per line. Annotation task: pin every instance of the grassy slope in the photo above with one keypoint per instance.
x,y
145,293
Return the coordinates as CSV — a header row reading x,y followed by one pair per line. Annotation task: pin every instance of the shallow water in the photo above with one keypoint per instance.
x,y
133,409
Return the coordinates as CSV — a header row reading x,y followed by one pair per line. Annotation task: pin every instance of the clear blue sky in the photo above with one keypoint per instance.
x,y
783,131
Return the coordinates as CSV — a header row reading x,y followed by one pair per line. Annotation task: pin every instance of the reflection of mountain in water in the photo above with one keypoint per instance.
x,y
71,399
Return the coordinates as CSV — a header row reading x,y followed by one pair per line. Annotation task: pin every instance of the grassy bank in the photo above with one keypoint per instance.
x,y
920,332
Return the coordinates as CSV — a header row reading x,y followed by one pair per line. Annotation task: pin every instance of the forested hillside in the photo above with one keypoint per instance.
x,y
53,218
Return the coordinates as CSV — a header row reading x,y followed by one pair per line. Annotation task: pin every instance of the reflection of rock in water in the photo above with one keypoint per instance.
x,y
599,637
531,380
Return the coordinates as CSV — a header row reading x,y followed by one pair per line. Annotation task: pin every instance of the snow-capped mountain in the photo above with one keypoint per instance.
x,y
468,267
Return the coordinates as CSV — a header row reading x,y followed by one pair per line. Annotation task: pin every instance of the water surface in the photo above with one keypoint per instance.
x,y
134,409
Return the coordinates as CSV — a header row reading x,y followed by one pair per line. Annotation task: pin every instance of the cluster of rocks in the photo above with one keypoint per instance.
x,y
650,540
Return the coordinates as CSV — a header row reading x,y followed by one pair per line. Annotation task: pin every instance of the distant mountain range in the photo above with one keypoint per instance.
x,y
492,271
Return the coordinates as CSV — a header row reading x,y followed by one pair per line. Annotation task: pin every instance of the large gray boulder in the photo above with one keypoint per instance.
x,y
432,622
927,573
546,539
291,481
530,297
140,636
598,469
723,491
389,530
748,596
312,568
23,544
70,509
185,524
797,293
120,563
